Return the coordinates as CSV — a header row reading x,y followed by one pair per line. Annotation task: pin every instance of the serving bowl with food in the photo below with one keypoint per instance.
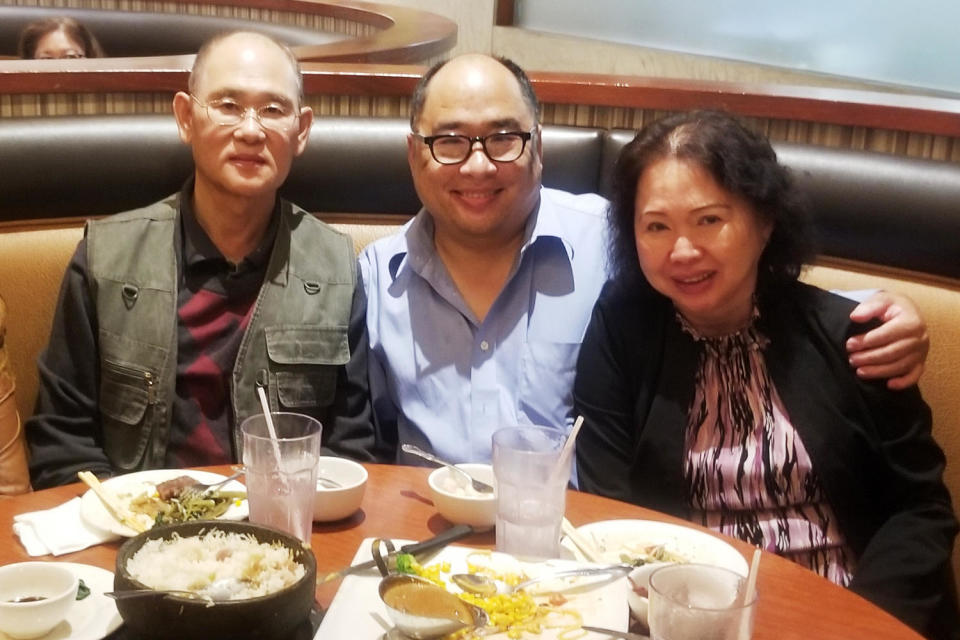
x,y
457,500
249,581
424,610
35,597
341,484
129,504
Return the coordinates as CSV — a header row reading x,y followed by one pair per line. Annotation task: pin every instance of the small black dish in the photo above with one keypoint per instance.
x,y
272,617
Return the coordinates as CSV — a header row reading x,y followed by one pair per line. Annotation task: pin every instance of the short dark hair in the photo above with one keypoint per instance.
x,y
419,96
742,162
210,44
31,34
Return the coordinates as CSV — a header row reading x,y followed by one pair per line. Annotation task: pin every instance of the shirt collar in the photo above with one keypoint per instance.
x,y
543,226
198,248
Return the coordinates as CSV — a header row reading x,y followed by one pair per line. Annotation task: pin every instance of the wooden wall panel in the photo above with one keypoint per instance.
x,y
919,145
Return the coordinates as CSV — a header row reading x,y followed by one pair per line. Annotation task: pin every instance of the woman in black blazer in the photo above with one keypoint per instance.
x,y
716,387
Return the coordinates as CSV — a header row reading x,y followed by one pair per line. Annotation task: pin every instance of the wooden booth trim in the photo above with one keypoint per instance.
x,y
899,112
403,35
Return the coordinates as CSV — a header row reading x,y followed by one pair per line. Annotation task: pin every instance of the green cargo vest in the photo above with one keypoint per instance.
x,y
294,344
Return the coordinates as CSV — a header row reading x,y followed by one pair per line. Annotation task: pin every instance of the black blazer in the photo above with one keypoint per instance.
x,y
871,447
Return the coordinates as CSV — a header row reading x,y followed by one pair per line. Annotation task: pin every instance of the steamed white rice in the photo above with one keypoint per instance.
x,y
224,566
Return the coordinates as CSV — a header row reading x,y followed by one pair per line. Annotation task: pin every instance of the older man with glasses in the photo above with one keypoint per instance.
x,y
477,308
170,317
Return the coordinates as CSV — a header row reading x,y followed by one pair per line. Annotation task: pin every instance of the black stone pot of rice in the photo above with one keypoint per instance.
x,y
271,617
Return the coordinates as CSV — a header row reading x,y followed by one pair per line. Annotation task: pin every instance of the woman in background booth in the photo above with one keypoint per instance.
x,y
715,386
58,38
14,477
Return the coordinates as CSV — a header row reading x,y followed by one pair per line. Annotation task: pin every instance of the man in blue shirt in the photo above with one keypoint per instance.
x,y
477,307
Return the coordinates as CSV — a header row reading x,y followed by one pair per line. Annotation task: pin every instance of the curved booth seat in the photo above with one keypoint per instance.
x,y
876,208
134,34
341,31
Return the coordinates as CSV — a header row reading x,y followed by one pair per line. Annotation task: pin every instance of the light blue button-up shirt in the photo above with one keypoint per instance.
x,y
445,381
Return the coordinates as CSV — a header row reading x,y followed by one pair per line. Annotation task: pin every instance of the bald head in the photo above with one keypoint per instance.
x,y
472,67
248,46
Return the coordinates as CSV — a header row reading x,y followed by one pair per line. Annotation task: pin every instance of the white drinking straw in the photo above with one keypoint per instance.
x,y
749,592
271,429
567,450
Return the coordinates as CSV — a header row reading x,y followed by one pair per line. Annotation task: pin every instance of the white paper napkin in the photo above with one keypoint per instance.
x,y
58,531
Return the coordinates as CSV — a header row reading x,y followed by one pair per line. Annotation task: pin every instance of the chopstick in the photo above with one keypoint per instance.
x,y
109,501
586,548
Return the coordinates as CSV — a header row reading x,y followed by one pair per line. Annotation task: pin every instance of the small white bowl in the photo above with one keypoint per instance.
x,y
458,502
55,584
331,504
640,578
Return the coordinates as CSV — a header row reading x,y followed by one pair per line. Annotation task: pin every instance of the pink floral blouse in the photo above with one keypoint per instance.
x,y
747,472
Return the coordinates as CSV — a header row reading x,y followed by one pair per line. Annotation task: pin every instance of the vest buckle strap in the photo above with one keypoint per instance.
x,y
130,293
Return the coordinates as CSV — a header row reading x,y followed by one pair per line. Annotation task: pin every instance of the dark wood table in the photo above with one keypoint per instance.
x,y
794,603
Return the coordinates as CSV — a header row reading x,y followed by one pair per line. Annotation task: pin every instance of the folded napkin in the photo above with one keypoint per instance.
x,y
58,531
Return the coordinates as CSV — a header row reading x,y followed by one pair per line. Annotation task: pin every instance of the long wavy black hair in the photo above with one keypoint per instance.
x,y
742,162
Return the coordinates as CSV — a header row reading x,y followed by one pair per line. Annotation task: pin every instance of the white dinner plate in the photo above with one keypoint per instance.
x,y
92,618
358,613
128,486
613,537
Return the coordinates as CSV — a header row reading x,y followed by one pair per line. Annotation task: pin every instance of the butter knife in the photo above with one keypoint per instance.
x,y
438,541
626,635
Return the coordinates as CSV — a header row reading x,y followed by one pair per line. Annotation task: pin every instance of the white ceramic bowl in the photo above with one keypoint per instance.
x,y
640,578
331,504
457,502
55,584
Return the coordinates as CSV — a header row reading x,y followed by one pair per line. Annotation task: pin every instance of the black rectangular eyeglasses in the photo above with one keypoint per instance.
x,y
452,148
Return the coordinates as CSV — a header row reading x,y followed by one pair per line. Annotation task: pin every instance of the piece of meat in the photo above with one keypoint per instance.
x,y
172,488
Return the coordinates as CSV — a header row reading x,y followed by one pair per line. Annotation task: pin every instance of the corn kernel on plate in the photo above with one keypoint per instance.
x,y
553,610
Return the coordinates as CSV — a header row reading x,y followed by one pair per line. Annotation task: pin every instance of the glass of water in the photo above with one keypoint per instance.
x,y
699,602
531,490
281,474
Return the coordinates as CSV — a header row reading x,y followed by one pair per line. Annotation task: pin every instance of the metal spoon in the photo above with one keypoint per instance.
x,y
486,586
329,483
478,485
157,593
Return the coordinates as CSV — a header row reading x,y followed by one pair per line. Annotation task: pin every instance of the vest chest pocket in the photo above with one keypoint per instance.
x,y
126,395
129,393
304,362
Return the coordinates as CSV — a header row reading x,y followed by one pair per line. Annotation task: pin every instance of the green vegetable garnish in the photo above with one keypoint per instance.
x,y
83,590
405,562
195,507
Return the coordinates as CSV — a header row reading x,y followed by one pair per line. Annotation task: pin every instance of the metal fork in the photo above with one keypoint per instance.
x,y
199,489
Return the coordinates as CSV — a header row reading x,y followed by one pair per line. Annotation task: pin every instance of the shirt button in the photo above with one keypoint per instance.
x,y
484,345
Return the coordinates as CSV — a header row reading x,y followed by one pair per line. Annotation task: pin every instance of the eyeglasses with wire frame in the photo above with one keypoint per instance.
x,y
452,148
227,112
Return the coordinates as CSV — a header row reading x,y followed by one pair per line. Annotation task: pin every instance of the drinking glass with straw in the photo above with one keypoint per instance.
x,y
532,467
280,453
